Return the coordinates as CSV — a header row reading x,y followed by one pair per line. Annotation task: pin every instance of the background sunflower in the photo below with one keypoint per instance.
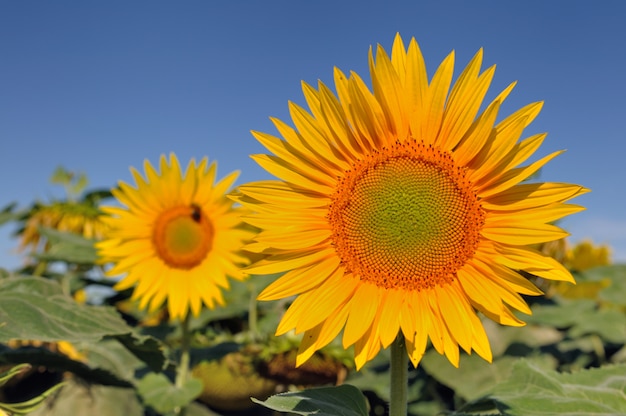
x,y
176,238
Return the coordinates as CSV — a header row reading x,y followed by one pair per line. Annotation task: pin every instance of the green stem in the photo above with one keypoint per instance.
x,y
182,372
399,378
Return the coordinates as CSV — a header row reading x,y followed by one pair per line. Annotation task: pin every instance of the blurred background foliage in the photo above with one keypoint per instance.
x,y
70,344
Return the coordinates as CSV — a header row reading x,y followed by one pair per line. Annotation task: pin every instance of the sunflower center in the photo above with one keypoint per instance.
x,y
183,236
405,217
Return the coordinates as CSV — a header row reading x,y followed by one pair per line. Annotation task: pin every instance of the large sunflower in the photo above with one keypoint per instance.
x,y
403,209
177,238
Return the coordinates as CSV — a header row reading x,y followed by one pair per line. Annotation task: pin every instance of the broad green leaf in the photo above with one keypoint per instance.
x,y
83,399
146,348
519,340
374,381
615,293
36,309
67,247
563,314
112,356
198,409
158,392
475,377
42,357
344,400
610,325
533,391
582,317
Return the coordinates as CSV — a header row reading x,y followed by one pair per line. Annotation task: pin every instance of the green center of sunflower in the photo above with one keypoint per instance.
x,y
183,236
405,217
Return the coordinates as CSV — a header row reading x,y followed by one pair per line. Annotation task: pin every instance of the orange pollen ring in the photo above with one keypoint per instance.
x,y
406,217
183,236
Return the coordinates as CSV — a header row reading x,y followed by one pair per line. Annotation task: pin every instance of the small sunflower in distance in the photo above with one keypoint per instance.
x,y
404,209
177,238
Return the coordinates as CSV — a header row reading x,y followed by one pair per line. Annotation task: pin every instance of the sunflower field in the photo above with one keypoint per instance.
x,y
406,261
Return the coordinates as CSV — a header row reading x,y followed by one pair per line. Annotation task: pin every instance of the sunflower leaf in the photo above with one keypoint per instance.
x,y
158,392
533,391
146,348
475,376
615,292
42,357
67,247
344,400
582,317
7,214
36,309
79,398
109,354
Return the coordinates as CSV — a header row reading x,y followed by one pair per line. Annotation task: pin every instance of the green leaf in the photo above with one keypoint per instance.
x,y
374,381
615,293
36,309
475,377
158,392
146,348
42,357
61,176
610,325
519,341
198,409
344,400
582,317
84,399
533,391
113,357
7,214
67,247
564,314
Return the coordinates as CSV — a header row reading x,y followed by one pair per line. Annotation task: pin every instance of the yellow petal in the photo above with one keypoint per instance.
x,y
363,308
300,280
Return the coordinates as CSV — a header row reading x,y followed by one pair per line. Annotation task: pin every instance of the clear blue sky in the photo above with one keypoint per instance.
x,y
100,86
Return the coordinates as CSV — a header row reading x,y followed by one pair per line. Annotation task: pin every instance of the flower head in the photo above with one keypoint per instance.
x,y
404,209
82,218
176,238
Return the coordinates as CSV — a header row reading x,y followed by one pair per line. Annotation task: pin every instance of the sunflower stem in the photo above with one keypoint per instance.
x,y
399,378
183,365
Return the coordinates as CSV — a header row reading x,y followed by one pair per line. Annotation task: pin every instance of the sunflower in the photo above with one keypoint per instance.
x,y
177,238
83,218
404,210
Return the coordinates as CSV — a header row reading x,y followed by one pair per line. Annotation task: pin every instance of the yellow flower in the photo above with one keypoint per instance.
x,y
585,255
402,209
81,218
177,238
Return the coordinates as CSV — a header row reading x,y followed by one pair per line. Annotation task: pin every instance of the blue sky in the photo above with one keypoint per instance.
x,y
98,87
